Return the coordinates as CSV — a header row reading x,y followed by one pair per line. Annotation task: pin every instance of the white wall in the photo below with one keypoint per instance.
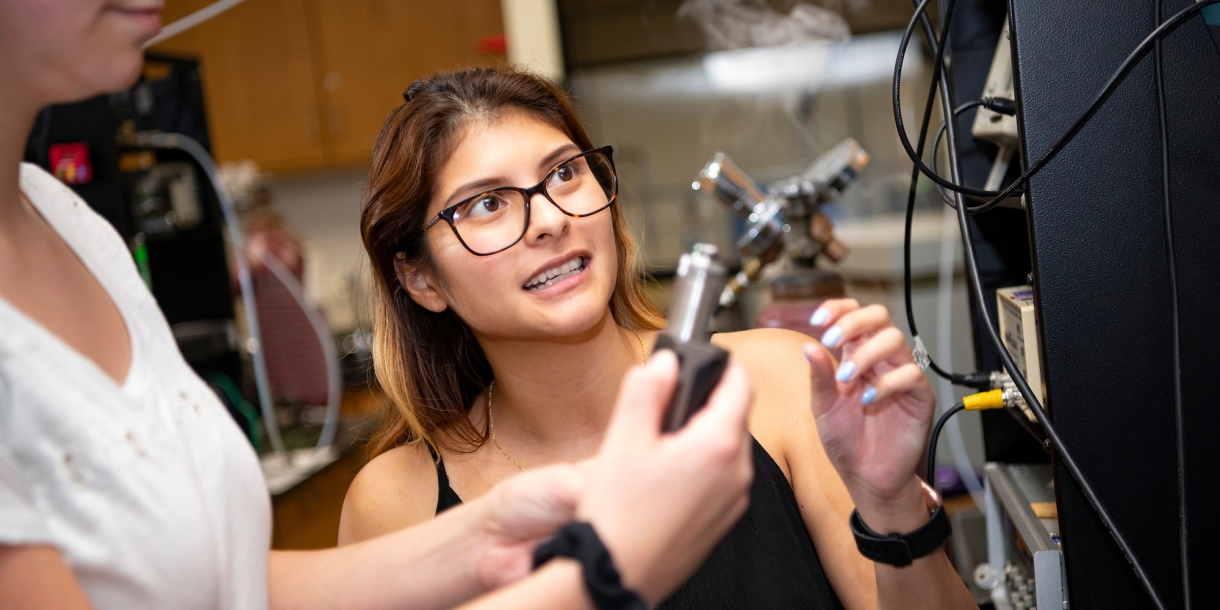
x,y
532,30
324,210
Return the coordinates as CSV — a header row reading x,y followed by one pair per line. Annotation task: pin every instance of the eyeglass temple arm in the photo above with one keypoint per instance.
x,y
435,219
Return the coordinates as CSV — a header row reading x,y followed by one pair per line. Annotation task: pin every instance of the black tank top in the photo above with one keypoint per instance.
x,y
766,562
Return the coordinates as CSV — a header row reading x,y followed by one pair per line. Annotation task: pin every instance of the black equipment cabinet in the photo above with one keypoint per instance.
x,y
1102,288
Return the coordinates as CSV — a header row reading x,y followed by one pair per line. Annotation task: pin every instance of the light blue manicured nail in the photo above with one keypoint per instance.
x,y
869,395
819,317
832,336
846,370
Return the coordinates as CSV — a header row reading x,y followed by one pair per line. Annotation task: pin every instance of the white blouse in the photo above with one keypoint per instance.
x,y
149,490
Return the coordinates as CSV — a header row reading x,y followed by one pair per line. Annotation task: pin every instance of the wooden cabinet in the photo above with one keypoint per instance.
x,y
299,85
372,50
258,81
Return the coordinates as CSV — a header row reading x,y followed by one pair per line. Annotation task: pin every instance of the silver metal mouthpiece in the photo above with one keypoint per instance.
x,y
701,278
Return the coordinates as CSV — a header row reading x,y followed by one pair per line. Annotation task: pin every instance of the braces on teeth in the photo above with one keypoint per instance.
x,y
550,276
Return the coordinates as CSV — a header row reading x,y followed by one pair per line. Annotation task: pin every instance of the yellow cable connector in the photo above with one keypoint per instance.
x,y
984,400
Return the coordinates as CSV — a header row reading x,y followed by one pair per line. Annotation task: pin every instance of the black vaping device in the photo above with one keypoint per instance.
x,y
700,280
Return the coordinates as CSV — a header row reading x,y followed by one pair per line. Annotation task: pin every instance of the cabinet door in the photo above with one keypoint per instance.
x,y
370,51
259,81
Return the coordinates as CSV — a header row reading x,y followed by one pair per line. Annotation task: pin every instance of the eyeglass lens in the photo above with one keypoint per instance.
x,y
496,219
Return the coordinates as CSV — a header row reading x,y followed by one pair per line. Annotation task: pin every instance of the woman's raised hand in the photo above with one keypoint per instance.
x,y
873,411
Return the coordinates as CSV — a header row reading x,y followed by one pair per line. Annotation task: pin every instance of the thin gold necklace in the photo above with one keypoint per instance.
x,y
491,425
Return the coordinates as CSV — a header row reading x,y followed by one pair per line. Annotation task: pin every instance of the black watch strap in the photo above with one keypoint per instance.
x,y
901,549
579,541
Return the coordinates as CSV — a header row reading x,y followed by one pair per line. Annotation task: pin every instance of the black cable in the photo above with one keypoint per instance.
x,y
944,419
1163,124
938,51
972,269
980,381
936,149
1032,427
976,284
999,105
1116,79
937,69
940,423
1040,413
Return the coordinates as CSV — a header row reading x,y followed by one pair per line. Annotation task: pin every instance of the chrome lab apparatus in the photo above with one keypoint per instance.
x,y
700,279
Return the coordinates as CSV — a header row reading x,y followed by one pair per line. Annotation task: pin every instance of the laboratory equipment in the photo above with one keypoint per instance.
x,y
700,280
1024,568
786,222
1116,237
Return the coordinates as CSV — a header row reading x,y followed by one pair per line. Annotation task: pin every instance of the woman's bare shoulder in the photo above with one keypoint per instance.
x,y
775,360
765,342
395,490
779,372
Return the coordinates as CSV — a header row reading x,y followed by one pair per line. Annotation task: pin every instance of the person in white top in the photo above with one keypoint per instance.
x,y
124,484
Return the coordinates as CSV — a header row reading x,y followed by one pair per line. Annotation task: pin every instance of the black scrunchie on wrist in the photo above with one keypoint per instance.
x,y
578,540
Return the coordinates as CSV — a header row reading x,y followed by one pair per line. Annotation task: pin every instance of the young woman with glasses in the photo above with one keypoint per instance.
x,y
509,304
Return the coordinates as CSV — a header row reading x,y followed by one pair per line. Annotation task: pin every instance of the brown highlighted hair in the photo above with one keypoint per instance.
x,y
429,363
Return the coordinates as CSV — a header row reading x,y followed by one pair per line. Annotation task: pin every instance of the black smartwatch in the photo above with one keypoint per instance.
x,y
902,549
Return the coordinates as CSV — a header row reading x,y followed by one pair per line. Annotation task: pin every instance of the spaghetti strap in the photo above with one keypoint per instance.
x,y
446,498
